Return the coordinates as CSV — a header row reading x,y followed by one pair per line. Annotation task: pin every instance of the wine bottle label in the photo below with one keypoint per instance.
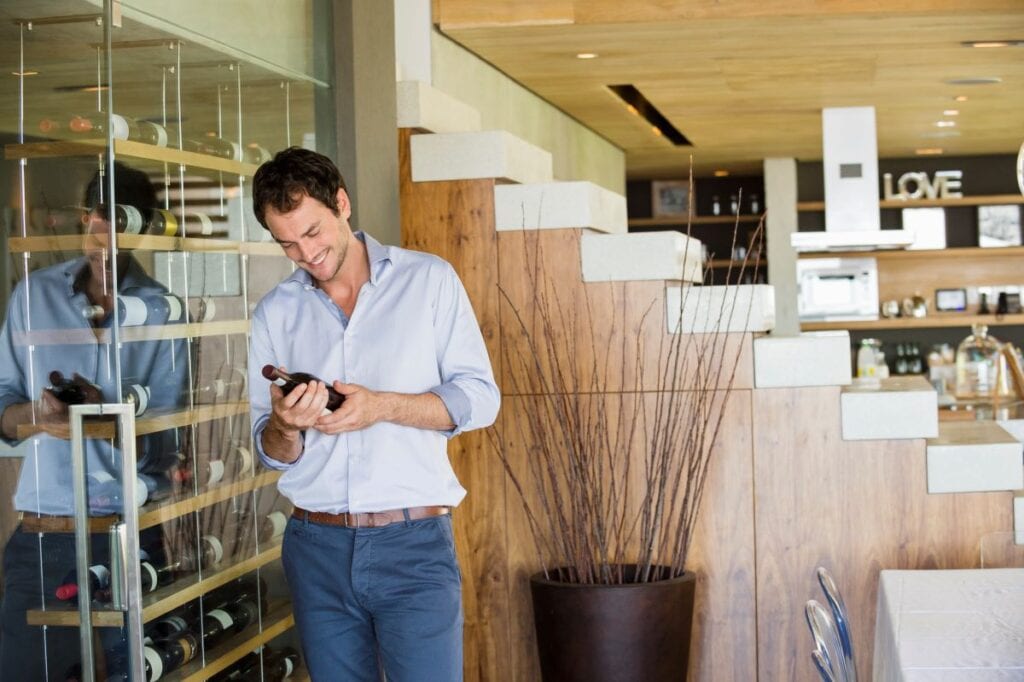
x,y
141,492
100,476
170,222
209,308
199,221
218,549
133,219
102,574
156,133
150,571
236,151
278,521
174,310
176,623
289,667
135,311
118,127
188,651
245,457
219,387
222,617
156,664
216,471
140,394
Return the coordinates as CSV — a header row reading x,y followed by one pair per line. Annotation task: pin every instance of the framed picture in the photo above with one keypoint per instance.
x,y
670,198
948,300
999,225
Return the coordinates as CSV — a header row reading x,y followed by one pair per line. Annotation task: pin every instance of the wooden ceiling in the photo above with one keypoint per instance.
x,y
747,79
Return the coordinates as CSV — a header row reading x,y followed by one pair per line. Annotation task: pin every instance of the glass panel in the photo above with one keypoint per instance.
x,y
131,262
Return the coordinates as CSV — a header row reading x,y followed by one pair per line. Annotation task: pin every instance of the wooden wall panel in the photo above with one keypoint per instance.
x,y
855,507
455,220
900,278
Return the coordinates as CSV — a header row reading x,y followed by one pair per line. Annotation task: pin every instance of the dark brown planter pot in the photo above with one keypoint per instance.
x,y
613,633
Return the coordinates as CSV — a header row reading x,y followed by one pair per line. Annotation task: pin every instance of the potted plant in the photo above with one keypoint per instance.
x,y
619,420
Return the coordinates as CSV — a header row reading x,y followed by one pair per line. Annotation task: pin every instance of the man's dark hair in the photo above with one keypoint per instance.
x,y
132,187
293,173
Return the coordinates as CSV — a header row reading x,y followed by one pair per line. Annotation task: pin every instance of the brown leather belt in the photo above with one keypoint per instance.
x,y
369,519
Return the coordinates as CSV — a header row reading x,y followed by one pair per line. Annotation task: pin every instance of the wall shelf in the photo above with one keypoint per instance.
x,y
984,200
925,254
681,221
933,321
150,422
129,149
135,242
726,263
163,600
88,335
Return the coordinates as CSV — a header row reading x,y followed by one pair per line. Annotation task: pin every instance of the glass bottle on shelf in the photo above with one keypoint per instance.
x,y
734,205
977,362
755,205
716,206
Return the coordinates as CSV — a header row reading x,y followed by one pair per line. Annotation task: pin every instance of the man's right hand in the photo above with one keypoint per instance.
x,y
290,415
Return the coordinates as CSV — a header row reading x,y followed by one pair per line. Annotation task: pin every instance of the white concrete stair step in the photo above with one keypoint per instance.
x,y
475,155
810,359
424,107
699,309
640,256
559,205
975,456
899,408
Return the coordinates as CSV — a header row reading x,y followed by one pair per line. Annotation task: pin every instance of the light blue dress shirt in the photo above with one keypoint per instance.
x,y
45,330
412,331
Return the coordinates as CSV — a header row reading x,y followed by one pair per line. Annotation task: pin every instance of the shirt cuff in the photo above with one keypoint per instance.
x,y
268,461
457,404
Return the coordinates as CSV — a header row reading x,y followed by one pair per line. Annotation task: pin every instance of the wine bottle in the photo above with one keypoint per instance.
x,y
170,654
99,579
163,223
158,485
176,621
209,553
128,219
65,390
158,309
219,388
214,146
197,224
272,526
289,380
139,395
279,664
121,127
228,618
256,154
105,493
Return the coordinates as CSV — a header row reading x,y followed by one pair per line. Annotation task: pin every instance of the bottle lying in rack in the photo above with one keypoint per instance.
x,y
277,665
269,527
95,126
288,381
99,579
214,146
218,389
234,463
139,310
255,154
198,224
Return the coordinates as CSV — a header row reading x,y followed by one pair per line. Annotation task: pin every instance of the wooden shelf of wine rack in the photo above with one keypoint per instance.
x,y
128,149
276,620
145,332
150,422
163,600
153,514
145,242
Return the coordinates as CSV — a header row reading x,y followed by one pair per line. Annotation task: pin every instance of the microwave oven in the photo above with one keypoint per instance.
x,y
836,289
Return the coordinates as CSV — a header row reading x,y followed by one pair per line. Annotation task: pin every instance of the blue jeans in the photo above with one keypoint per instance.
x,y
370,597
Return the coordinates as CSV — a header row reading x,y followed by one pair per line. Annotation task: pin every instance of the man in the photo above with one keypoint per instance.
x,y
368,553
46,329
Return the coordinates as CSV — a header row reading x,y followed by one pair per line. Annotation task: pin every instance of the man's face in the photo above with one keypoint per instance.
x,y
97,250
313,236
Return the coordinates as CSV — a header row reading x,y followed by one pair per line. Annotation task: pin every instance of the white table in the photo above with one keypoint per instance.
x,y
950,626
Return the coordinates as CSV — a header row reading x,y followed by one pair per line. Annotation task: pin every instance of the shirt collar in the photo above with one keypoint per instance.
x,y
378,255
75,270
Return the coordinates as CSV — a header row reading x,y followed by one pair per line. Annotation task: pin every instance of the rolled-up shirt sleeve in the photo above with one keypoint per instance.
x,y
12,372
467,387
261,352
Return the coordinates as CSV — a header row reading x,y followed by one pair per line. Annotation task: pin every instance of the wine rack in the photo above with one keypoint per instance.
x,y
192,238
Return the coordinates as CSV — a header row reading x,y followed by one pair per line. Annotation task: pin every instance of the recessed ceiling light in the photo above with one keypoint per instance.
x,y
945,124
951,112
24,73
928,151
721,173
980,80
960,98
992,43
586,55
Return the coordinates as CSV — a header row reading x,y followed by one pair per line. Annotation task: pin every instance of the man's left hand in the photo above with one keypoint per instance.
x,y
362,408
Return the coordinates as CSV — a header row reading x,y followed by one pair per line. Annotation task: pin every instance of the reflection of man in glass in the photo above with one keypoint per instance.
x,y
60,319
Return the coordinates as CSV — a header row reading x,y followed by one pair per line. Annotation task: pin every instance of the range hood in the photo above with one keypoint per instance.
x,y
850,160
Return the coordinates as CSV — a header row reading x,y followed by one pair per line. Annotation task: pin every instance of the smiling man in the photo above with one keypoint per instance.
x,y
368,554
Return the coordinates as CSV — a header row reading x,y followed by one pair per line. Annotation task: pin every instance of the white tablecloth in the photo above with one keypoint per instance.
x,y
950,626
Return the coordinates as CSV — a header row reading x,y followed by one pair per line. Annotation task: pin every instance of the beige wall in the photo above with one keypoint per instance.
x,y
578,152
